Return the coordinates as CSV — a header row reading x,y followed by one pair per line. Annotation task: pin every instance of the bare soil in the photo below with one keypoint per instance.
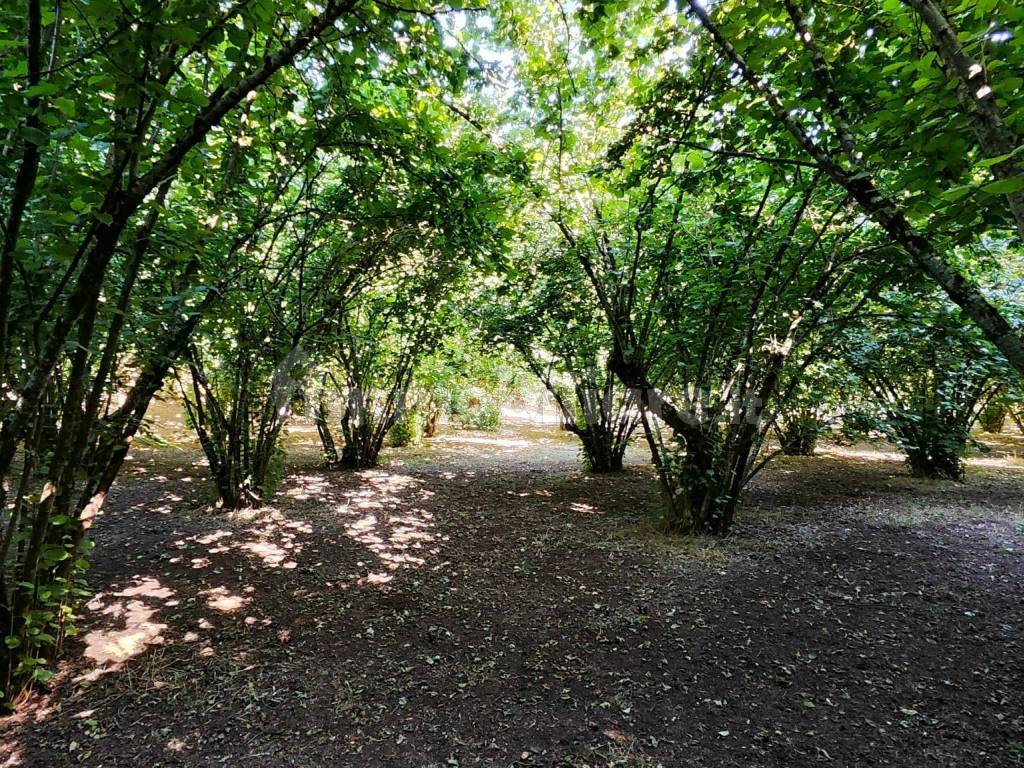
x,y
480,602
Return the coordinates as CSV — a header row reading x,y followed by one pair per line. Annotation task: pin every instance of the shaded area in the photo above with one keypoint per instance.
x,y
479,602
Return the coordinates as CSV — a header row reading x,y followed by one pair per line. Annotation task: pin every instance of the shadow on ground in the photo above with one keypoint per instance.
x,y
480,602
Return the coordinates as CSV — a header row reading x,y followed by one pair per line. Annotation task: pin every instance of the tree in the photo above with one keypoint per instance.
x,y
466,379
451,222
720,279
929,376
358,208
246,366
714,328
380,340
550,316
136,138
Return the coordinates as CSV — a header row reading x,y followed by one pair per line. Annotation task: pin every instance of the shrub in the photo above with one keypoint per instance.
x,y
857,425
798,432
484,416
993,417
407,429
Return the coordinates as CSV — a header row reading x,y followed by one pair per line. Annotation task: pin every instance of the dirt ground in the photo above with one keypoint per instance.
x,y
480,602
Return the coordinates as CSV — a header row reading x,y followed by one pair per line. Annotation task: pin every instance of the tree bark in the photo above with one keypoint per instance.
x,y
24,183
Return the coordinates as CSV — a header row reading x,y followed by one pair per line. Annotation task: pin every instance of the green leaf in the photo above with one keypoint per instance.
x,y
957,193
42,89
1005,186
33,135
66,106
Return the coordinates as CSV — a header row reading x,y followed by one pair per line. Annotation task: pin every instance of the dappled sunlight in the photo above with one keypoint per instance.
x,y
271,554
128,621
544,412
1003,451
381,516
382,512
543,493
442,577
997,456
146,587
174,486
209,543
863,453
310,487
131,624
272,539
497,442
221,599
516,440
171,500
13,751
212,537
275,540
996,462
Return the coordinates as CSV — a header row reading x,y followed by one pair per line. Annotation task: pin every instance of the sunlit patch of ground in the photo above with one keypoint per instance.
x,y
310,487
503,444
221,599
862,452
383,517
128,624
992,451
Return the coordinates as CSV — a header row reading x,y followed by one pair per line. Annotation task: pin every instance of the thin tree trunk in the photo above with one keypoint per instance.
x,y
24,183
122,206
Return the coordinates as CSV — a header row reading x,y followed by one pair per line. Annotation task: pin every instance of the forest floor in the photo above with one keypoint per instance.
x,y
480,602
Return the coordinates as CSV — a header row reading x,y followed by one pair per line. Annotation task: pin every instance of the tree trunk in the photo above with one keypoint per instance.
x,y
431,422
321,414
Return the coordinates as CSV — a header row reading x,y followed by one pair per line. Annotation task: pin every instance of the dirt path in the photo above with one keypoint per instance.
x,y
481,603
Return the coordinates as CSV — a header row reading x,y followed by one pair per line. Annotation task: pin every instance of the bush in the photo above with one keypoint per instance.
x,y
934,443
993,417
798,433
474,408
407,429
485,416
857,425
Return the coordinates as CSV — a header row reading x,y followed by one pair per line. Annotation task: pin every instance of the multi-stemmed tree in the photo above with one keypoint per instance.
x,y
546,310
364,205
244,367
719,280
929,376
910,107
372,347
